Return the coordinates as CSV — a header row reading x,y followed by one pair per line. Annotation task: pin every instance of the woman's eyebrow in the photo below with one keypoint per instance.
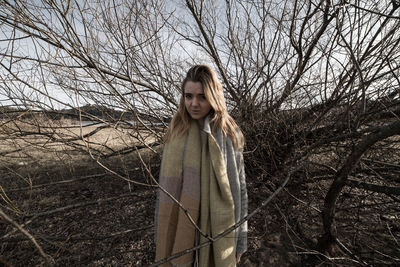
x,y
194,94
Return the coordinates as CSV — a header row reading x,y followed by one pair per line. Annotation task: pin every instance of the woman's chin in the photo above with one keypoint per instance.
x,y
196,116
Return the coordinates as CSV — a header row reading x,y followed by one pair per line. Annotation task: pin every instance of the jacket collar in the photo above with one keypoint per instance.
x,y
207,123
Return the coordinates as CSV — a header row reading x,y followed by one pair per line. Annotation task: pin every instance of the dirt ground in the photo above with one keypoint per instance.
x,y
111,223
85,214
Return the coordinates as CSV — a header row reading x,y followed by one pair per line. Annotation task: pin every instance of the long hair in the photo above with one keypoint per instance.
x,y
214,94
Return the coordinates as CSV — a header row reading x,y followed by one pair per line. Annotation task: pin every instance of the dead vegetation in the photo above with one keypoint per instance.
x,y
81,212
313,84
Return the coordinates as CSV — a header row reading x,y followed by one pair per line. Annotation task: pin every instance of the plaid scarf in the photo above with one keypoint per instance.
x,y
195,172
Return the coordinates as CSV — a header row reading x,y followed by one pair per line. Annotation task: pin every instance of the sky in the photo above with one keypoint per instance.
x,y
40,86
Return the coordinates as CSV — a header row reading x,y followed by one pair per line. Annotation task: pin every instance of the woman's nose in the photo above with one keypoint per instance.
x,y
195,102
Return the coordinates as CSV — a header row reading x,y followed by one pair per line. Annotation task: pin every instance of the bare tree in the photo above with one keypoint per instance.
x,y
312,84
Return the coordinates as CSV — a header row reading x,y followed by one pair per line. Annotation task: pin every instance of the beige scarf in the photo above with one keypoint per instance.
x,y
195,172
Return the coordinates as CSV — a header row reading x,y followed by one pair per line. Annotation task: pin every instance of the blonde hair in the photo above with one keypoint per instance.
x,y
214,94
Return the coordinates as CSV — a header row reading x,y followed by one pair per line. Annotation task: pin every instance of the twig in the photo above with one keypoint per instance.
x,y
13,231
55,183
48,259
389,190
381,162
79,205
286,228
331,259
394,238
78,237
349,252
303,202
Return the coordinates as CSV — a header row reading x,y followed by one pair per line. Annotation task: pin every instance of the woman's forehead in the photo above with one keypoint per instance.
x,y
193,88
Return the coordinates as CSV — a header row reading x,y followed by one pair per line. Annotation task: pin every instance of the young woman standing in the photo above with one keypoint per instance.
x,y
202,167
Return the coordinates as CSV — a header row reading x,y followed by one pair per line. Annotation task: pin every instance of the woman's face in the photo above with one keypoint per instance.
x,y
195,101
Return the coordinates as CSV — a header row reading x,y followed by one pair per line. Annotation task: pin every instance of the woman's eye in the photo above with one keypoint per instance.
x,y
188,96
203,97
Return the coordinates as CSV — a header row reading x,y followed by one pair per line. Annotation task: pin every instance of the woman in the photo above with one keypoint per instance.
x,y
202,167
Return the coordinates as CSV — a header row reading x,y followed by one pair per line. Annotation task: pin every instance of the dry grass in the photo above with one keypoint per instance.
x,y
24,142
40,174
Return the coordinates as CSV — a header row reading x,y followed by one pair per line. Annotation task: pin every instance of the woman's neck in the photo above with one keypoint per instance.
x,y
200,122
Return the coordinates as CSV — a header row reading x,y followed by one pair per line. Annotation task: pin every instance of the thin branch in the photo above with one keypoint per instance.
x,y
389,190
47,258
80,205
78,237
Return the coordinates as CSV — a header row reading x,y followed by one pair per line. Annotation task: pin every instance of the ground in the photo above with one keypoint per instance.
x,y
86,214
96,219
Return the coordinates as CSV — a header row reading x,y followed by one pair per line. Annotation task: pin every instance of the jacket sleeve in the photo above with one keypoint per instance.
x,y
242,236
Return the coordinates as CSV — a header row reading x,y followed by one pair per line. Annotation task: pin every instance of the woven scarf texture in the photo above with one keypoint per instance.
x,y
194,172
